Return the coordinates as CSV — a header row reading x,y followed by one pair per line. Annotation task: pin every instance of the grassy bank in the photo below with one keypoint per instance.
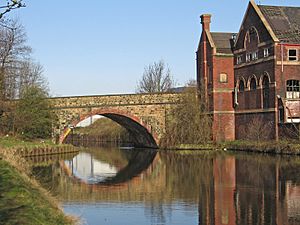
x,y
22,201
198,147
34,148
271,147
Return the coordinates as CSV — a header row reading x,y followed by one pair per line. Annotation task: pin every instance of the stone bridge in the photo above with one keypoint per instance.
x,y
143,115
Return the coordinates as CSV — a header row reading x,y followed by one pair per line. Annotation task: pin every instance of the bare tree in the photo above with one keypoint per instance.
x,y
189,122
257,130
30,74
18,72
13,52
10,5
156,78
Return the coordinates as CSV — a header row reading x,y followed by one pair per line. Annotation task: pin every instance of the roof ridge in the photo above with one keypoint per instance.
x,y
279,6
223,32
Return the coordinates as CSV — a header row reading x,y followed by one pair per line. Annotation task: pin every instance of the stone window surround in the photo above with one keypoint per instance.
x,y
223,78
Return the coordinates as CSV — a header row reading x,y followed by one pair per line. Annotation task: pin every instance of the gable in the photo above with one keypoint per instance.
x,y
208,39
253,21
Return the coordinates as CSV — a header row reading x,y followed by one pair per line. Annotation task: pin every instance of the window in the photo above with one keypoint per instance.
x,y
239,59
254,55
251,56
266,92
292,89
280,114
266,52
253,84
223,78
253,34
292,55
241,86
248,57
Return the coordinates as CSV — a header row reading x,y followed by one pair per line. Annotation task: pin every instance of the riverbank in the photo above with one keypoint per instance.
x,y
270,147
22,199
24,202
34,148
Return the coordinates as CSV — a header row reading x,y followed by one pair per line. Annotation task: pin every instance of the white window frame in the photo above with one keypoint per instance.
x,y
239,59
293,90
293,57
266,52
254,55
248,57
293,120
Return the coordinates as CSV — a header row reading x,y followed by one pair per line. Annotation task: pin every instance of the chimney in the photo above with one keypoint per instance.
x,y
205,21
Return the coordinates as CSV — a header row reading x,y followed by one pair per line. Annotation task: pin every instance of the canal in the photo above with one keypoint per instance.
x,y
112,186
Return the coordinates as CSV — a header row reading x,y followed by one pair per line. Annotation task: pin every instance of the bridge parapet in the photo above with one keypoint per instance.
x,y
116,100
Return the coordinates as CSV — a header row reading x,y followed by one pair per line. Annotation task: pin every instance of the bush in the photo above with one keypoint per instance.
x,y
189,122
33,117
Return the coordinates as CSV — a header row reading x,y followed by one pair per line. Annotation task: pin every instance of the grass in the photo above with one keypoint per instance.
x,y
33,148
13,142
102,127
284,147
22,201
273,147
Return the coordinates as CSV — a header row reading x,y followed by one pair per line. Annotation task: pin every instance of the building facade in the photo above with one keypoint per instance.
x,y
252,79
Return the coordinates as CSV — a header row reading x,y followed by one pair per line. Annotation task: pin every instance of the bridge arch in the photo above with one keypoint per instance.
x,y
143,135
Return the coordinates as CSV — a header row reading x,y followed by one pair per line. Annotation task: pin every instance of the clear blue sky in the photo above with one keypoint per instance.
x,y
101,47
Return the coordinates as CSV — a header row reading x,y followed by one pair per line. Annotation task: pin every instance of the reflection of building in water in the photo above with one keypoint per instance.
x,y
288,209
255,191
224,188
293,202
248,191
90,170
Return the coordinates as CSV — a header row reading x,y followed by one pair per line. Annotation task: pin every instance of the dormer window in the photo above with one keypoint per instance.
x,y
292,55
266,52
239,59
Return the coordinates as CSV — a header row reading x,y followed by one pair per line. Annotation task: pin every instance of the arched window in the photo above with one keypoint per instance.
x,y
253,34
292,89
251,39
241,86
266,91
252,84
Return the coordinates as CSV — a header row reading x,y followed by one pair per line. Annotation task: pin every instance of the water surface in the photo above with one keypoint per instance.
x,y
110,186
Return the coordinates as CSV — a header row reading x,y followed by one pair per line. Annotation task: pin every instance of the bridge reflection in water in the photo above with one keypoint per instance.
x,y
171,188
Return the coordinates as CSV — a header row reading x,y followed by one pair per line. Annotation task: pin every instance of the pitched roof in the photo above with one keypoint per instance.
x,y
284,21
223,42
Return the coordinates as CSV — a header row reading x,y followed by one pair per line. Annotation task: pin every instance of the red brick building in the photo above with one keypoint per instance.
x,y
252,79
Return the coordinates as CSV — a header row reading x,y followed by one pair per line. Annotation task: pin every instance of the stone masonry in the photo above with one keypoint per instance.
x,y
143,115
